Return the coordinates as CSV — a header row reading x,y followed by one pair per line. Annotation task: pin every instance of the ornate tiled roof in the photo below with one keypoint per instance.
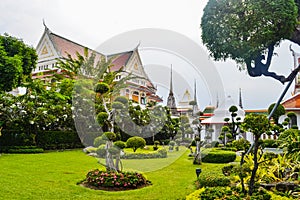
x,y
293,102
120,60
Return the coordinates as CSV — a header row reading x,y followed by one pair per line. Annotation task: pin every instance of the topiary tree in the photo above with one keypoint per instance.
x,y
135,143
257,125
245,30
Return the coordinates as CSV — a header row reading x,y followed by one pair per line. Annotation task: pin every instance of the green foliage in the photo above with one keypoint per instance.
x,y
161,153
58,140
135,143
257,124
21,149
104,179
241,144
98,141
122,100
120,144
289,140
270,143
101,118
102,88
101,150
217,156
109,136
213,181
241,29
277,113
26,151
17,60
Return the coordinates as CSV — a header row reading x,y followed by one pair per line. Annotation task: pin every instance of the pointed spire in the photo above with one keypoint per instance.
x,y
171,99
195,105
217,104
46,28
240,98
171,81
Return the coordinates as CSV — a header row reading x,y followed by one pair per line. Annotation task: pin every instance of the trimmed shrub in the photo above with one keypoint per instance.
x,y
51,140
161,153
135,143
213,181
26,151
241,144
21,149
120,144
16,138
269,143
102,88
98,141
227,170
218,157
109,135
101,151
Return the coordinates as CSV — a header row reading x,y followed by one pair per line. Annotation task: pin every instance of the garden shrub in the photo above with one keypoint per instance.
x,y
58,140
161,153
213,181
269,143
112,179
227,148
101,151
88,138
217,156
21,149
241,144
212,193
195,195
135,143
99,141
26,151
227,169
16,138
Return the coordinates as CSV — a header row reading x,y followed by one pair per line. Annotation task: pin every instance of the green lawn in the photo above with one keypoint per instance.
x,y
54,176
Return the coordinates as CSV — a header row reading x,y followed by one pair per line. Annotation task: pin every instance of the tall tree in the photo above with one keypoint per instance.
x,y
246,30
17,60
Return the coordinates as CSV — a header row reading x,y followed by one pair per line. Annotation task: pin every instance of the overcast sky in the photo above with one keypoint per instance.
x,y
91,23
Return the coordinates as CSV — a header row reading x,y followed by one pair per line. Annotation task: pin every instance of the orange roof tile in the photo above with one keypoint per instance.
x,y
293,102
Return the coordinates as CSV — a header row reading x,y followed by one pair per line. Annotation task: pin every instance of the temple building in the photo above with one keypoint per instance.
x,y
212,126
53,47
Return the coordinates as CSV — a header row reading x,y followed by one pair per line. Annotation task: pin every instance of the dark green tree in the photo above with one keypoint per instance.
x,y
280,110
17,60
246,30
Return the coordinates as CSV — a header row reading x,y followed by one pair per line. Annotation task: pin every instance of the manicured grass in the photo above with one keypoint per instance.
x,y
54,176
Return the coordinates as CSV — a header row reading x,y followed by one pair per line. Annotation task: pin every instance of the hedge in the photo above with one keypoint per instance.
x,y
161,153
16,138
21,149
215,156
213,181
51,140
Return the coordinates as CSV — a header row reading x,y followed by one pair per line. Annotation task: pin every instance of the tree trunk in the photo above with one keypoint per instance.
x,y
255,160
108,158
241,175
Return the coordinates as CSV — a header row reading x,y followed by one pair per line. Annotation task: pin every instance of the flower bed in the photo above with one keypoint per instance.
x,y
97,179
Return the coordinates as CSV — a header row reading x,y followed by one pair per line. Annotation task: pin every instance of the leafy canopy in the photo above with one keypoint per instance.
x,y
17,60
242,29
